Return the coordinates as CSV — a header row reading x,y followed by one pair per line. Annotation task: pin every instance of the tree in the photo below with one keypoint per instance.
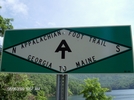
x,y
92,90
41,95
5,23
74,86
14,86
47,83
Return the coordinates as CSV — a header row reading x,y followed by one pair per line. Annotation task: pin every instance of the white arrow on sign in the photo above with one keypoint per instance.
x,y
65,50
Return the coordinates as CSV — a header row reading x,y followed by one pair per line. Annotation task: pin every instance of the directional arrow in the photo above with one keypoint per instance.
x,y
63,49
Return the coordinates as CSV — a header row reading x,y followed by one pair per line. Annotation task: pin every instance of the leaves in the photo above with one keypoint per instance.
x,y
92,90
74,86
41,95
111,81
5,23
47,83
12,86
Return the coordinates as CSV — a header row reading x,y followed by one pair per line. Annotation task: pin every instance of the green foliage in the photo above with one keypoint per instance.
x,y
46,82
5,23
30,96
69,92
41,95
13,86
92,90
111,81
74,86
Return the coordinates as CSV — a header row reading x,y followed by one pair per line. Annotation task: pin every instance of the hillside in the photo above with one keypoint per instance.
x,y
113,81
47,82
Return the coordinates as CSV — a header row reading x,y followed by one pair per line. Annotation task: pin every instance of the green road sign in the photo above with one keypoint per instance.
x,y
68,50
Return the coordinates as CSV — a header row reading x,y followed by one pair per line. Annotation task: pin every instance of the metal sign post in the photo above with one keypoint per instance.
x,y
62,87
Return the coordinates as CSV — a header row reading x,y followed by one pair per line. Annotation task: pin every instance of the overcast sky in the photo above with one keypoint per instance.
x,y
68,13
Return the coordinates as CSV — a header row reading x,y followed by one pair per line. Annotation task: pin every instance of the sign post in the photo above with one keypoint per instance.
x,y
62,87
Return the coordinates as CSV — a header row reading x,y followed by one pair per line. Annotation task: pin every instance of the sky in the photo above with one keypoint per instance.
x,y
68,13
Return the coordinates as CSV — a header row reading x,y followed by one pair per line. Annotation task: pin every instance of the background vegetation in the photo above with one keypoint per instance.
x,y
44,85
